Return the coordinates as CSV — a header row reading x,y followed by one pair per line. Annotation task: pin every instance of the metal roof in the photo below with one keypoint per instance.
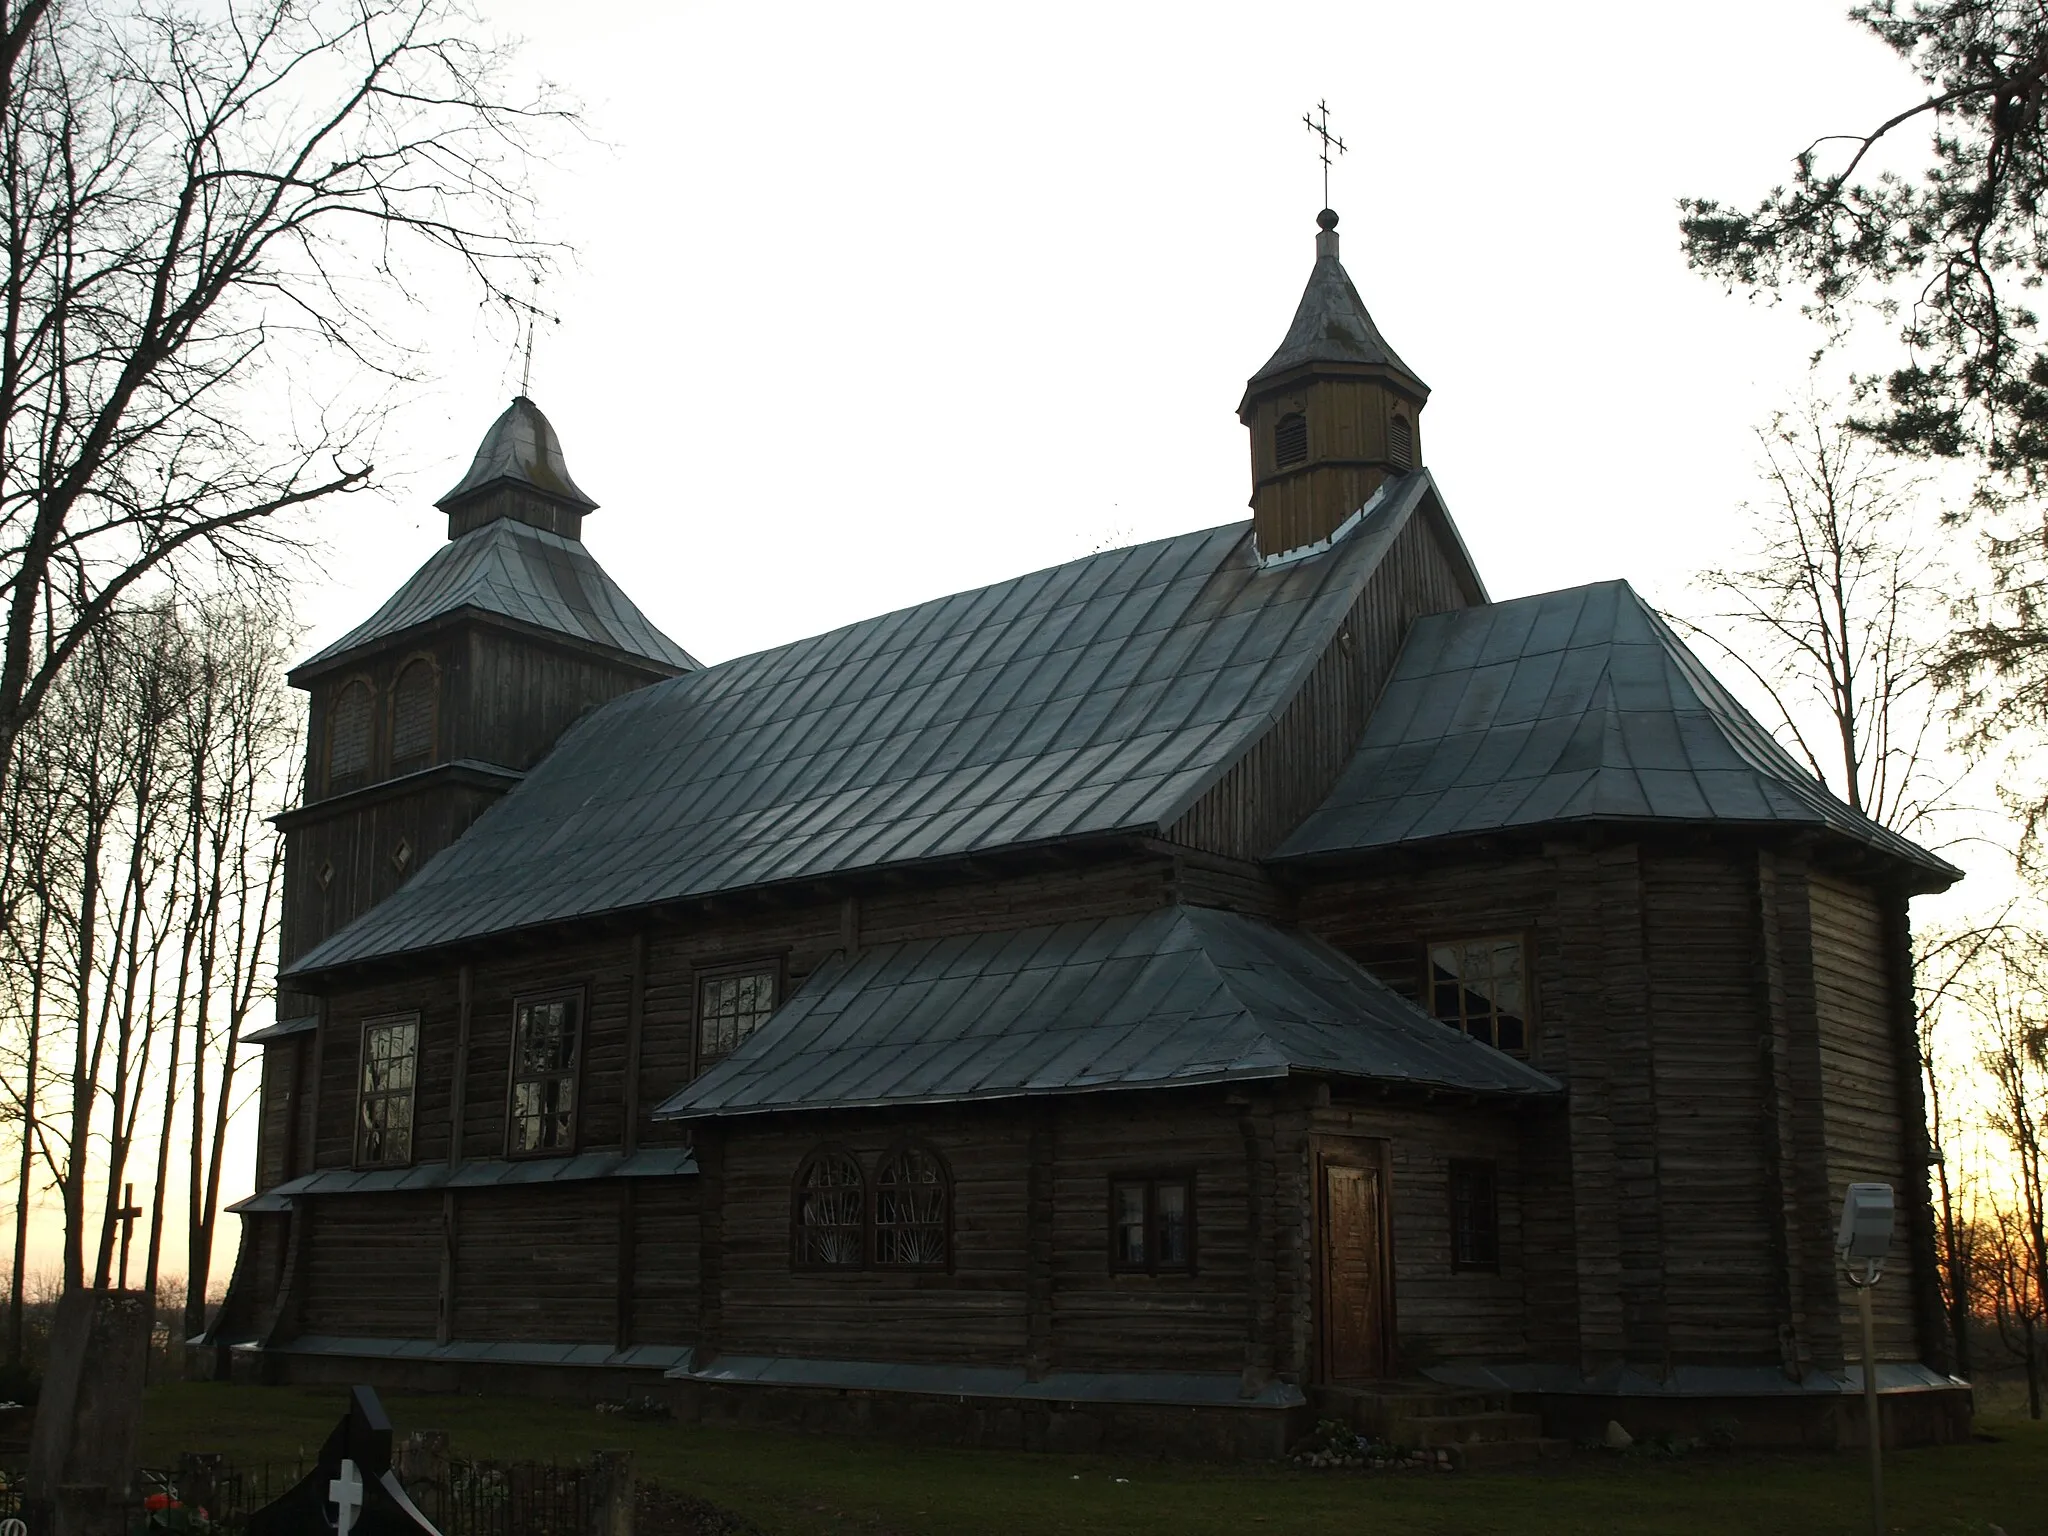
x,y
1212,1389
1578,705
520,572
283,1029
520,449
1101,696
1177,996
477,1173
1331,324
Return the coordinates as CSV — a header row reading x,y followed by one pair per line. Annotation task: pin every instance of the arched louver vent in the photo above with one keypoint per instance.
x,y
1400,442
831,1212
348,739
912,1222
1290,440
412,717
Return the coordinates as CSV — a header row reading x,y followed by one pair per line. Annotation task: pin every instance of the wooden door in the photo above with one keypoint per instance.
x,y
1354,1274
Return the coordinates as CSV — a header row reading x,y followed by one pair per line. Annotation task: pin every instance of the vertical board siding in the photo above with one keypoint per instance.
x,y
537,1262
1860,1058
1286,774
665,1261
372,1266
1720,1262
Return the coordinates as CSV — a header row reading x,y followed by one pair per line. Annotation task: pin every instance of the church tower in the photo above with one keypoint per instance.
x,y
435,707
1332,413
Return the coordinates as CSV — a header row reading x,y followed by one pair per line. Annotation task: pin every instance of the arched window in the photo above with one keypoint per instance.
x,y
1290,440
413,701
913,1210
348,738
828,1212
1400,442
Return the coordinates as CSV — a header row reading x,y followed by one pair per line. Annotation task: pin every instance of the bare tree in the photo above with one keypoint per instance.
x,y
203,208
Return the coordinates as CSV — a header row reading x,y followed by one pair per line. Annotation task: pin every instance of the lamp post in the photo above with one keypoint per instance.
x,y
1863,1240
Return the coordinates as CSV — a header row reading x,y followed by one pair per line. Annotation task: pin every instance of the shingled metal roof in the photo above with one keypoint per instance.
x,y
520,572
1569,706
520,449
1331,324
1178,996
1101,696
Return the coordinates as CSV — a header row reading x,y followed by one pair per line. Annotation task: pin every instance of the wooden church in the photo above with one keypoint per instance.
x,y
1153,1002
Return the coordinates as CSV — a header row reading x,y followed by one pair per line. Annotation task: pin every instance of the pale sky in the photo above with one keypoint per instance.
x,y
875,303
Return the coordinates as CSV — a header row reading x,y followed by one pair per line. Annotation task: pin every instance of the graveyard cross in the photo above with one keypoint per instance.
x,y
346,1494
1322,131
126,1214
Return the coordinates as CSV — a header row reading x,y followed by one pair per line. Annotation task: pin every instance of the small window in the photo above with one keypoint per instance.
x,y
384,1097
413,711
348,738
1290,440
830,1216
731,1005
1480,986
1475,1215
1400,442
912,1195
544,1060
1152,1224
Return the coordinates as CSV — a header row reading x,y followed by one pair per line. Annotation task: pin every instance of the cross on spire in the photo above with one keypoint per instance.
x,y
533,314
1322,131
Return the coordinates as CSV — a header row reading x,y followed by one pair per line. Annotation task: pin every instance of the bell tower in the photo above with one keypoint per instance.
x,y
1332,414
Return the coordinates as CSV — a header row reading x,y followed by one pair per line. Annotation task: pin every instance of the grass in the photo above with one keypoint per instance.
x,y
805,1485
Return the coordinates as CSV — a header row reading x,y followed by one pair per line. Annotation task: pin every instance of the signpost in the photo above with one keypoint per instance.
x,y
1863,1240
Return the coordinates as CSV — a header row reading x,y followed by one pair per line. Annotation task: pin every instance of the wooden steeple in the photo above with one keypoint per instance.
x,y
1332,413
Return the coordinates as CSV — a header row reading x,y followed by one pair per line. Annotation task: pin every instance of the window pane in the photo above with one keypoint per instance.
x,y
1511,1036
1172,1204
730,1008
1128,1201
910,1211
829,1213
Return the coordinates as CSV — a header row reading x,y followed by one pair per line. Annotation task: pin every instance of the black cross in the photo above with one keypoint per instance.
x,y
534,314
126,1214
1322,131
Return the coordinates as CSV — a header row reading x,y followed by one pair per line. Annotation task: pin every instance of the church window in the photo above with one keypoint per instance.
x,y
1400,442
912,1210
413,701
830,1218
545,1055
731,1005
1290,440
1475,1215
1481,987
384,1099
1152,1224
348,738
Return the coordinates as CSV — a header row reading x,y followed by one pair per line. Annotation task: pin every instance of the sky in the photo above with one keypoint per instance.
x,y
869,304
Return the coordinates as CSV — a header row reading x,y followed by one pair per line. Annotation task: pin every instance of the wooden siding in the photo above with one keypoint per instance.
x,y
537,1262
515,694
1860,1074
665,1262
1290,769
372,1266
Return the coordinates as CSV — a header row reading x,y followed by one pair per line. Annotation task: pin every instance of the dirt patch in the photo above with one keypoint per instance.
x,y
665,1512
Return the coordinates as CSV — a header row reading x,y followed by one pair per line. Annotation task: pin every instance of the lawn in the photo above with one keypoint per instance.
x,y
803,1484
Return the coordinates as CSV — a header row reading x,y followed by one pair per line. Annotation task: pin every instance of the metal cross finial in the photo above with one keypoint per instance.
x,y
1322,131
534,314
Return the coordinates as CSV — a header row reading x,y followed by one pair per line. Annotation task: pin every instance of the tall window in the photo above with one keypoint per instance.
x,y
413,700
1475,1215
1480,985
544,1059
384,1095
1152,1224
1400,441
348,738
1290,440
911,1198
731,1005
831,1212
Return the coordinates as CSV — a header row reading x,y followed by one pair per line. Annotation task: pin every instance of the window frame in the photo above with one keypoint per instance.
x,y
1152,1179
432,663
386,1021
775,966
1469,1165
872,1251
1522,938
799,1259
368,772
579,995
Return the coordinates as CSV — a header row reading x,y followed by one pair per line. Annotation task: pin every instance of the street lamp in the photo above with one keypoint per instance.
x,y
1863,1240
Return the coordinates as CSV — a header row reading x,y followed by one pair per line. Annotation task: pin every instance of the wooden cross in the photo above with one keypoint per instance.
x,y
125,1214
1322,131
345,1493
